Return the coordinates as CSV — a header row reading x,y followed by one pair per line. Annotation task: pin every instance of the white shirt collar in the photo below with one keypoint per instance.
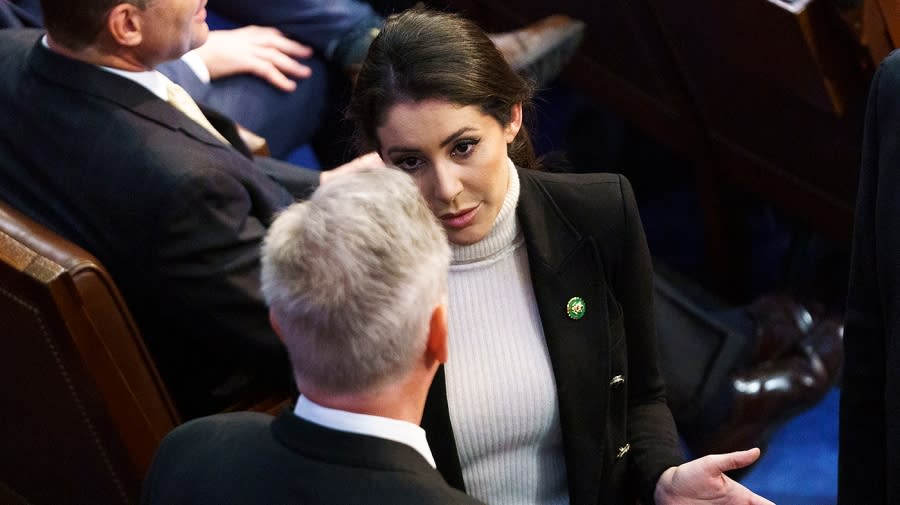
x,y
363,424
154,81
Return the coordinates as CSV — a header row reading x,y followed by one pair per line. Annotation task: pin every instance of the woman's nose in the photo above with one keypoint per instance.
x,y
447,184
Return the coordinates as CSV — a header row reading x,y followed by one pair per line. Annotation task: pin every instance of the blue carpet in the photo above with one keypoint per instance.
x,y
800,465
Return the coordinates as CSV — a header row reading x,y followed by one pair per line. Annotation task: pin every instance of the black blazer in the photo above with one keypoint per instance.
x,y
584,238
869,456
175,215
250,458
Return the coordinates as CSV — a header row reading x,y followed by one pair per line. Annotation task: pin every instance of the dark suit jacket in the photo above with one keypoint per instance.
x,y
285,120
584,238
175,215
249,458
869,456
20,14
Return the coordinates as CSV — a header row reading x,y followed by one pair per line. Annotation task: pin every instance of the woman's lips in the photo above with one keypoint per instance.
x,y
460,219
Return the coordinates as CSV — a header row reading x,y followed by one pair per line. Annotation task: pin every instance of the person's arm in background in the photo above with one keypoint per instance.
x,y
261,51
321,24
300,183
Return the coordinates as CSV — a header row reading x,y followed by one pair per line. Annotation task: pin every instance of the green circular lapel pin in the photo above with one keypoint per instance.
x,y
575,308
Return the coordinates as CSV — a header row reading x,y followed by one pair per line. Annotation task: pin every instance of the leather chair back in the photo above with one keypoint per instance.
x,y
84,408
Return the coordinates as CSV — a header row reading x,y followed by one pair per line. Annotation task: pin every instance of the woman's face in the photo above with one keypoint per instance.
x,y
457,156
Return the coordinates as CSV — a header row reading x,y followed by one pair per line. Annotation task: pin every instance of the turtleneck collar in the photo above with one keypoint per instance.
x,y
502,234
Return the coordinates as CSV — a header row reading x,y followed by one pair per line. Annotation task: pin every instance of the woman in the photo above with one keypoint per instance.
x,y
552,393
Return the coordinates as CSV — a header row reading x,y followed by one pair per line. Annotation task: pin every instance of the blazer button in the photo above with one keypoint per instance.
x,y
617,381
623,451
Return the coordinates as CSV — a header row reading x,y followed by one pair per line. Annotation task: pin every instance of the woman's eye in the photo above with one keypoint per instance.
x,y
464,147
408,164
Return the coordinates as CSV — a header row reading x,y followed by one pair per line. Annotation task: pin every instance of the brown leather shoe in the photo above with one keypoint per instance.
x,y
541,49
770,393
781,323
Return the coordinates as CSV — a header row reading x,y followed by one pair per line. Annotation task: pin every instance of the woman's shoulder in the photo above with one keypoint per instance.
x,y
579,193
599,205
566,178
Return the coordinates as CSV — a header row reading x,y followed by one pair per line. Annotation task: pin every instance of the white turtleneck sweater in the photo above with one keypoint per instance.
x,y
500,386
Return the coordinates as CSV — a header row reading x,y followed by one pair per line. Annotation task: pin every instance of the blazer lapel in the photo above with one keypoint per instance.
x,y
93,81
439,431
565,264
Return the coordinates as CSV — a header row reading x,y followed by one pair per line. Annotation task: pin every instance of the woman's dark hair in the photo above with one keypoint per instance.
x,y
422,54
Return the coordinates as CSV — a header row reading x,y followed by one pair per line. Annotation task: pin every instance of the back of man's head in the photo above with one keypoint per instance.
x,y
352,277
77,23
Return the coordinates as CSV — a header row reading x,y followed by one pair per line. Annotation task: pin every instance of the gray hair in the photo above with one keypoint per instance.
x,y
352,276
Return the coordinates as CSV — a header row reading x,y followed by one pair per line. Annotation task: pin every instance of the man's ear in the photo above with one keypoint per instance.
x,y
275,325
124,24
436,347
515,122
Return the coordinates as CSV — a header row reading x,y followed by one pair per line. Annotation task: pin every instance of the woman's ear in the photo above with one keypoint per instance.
x,y
124,24
515,122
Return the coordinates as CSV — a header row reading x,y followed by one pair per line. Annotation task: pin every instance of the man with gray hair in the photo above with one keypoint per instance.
x,y
356,283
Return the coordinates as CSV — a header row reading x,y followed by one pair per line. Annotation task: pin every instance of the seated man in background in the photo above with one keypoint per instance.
x,y
268,83
101,148
356,281
284,81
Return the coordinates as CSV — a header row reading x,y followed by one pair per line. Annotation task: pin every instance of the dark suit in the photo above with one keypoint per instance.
x,y
869,457
584,238
175,215
20,14
286,120
245,458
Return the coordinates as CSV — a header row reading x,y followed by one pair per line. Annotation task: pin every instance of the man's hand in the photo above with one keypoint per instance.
x,y
368,160
703,481
261,51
